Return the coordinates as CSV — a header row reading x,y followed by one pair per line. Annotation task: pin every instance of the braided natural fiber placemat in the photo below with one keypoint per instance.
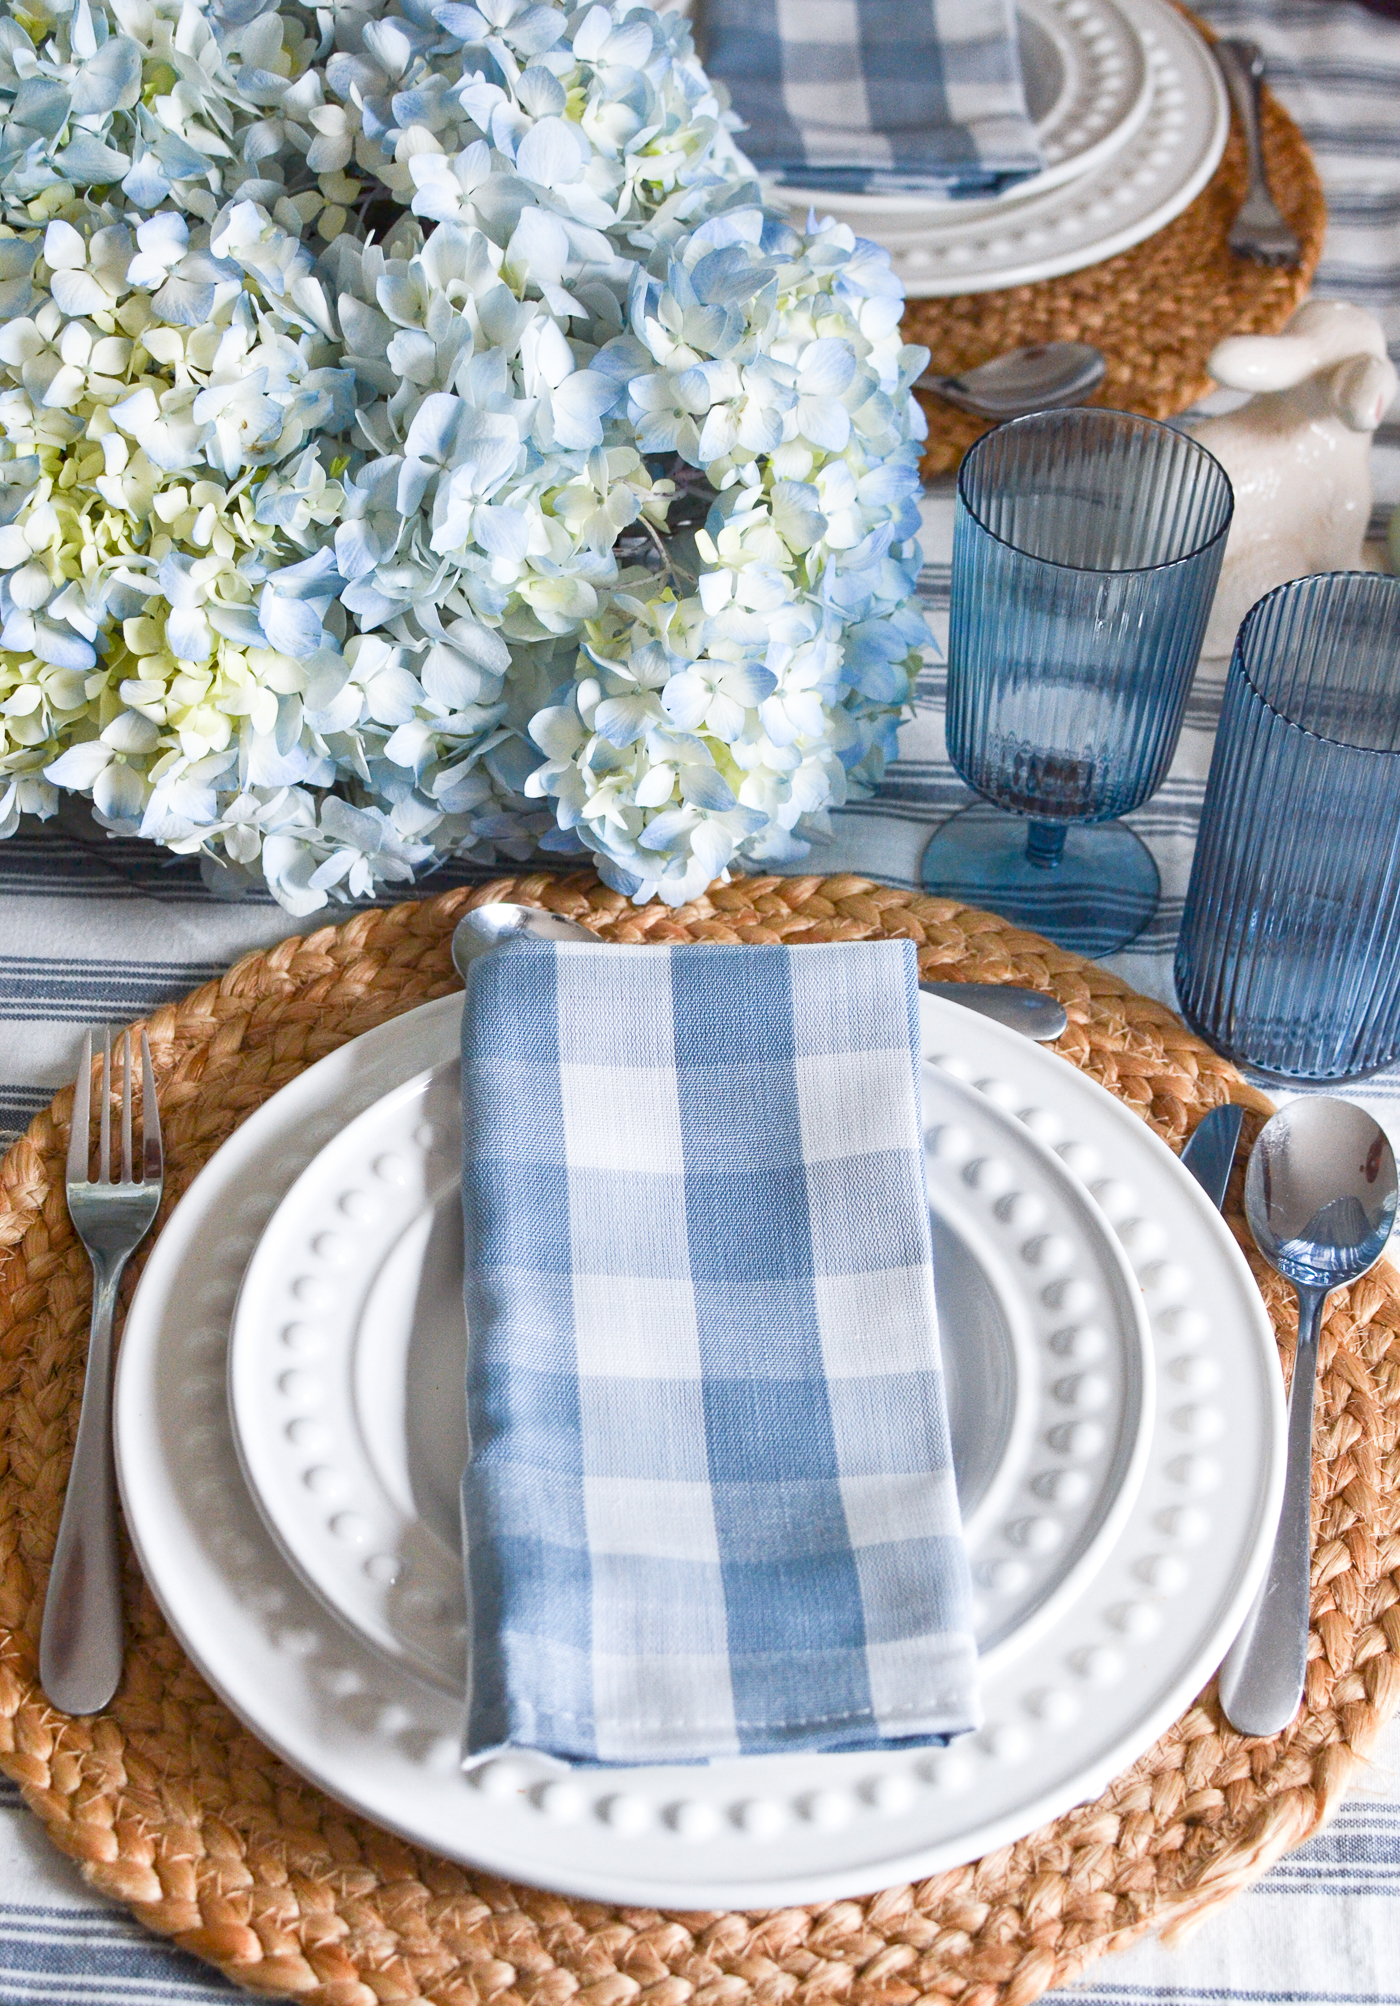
x,y
1156,310
170,1806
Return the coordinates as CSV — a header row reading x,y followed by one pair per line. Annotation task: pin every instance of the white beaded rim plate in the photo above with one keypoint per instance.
x,y
1128,196
1109,1672
348,1361
1088,88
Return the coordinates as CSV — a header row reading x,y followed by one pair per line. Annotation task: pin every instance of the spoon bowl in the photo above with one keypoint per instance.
x,y
1320,1196
1320,1192
1039,377
478,931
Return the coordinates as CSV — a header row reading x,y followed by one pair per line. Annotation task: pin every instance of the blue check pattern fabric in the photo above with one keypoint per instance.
x,y
710,1507
888,96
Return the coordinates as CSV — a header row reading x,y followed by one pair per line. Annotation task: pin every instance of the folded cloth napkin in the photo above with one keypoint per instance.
x,y
893,96
709,1507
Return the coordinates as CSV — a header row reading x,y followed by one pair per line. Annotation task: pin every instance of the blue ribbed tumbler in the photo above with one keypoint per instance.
x,y
1086,550
1289,958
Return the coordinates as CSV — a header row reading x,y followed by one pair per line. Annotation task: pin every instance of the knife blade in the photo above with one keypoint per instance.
x,y
1210,1153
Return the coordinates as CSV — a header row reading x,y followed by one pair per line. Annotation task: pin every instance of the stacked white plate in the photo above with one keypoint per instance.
x,y
290,1437
289,1425
1132,117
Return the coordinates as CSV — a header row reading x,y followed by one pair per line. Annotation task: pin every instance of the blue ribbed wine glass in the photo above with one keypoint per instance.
x,y
1086,549
1289,957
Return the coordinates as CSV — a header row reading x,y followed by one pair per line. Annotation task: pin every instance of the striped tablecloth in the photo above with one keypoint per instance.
x,y
96,930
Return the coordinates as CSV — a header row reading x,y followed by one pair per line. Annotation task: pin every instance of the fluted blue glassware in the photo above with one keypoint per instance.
x,y
1086,550
1289,956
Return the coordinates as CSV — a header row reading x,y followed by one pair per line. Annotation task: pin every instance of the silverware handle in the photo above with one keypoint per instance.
x,y
1243,66
1029,1011
80,1644
1261,1681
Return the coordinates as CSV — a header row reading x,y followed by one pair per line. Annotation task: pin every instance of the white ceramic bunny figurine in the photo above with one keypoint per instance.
x,y
1298,453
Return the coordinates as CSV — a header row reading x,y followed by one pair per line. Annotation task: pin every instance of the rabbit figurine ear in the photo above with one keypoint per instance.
x,y
1363,390
1263,361
1320,333
1297,452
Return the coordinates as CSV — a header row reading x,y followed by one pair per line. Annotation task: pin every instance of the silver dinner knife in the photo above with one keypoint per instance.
x,y
1210,1153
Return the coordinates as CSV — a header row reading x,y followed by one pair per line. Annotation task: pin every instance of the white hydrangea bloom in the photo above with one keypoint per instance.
x,y
416,440
152,625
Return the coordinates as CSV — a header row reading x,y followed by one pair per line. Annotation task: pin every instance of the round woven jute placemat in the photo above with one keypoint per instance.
x,y
172,1807
1156,311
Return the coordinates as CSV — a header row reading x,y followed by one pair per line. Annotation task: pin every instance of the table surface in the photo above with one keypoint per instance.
x,y
98,930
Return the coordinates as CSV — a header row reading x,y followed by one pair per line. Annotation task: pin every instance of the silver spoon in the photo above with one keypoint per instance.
x,y
1319,1195
1029,1011
478,931
1038,378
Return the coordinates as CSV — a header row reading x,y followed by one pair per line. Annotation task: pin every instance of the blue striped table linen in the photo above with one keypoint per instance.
x,y
709,1508
896,96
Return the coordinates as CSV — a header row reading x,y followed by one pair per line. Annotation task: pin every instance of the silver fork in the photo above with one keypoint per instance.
x,y
80,1645
1259,230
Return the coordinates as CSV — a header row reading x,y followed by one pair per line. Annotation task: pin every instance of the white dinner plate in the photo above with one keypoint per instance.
x,y
347,1369
1125,197
1088,88
1109,1672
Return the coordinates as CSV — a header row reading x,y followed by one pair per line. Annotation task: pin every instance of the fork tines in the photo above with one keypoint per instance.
x,y
80,1134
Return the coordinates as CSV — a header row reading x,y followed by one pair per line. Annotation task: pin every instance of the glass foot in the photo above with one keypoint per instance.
x,y
1092,894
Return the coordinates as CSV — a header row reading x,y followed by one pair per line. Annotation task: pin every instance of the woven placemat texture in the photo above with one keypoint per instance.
x,y
171,1807
1156,311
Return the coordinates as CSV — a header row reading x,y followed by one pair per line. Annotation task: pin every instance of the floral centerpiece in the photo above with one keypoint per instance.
x,y
419,441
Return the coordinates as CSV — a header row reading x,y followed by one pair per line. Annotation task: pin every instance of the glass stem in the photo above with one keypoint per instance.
x,y
1045,844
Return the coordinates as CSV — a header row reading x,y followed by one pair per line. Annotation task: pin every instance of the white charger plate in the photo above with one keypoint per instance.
x,y
347,1369
1125,197
1088,88
1110,1671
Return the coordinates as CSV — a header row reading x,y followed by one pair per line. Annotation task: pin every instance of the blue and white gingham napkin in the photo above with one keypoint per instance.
x,y
709,1508
893,96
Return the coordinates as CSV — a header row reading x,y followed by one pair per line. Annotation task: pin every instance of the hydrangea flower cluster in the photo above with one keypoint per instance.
x,y
417,440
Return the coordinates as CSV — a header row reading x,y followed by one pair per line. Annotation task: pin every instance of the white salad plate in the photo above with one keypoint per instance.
x,y
1132,192
1088,89
347,1369
1127,1632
